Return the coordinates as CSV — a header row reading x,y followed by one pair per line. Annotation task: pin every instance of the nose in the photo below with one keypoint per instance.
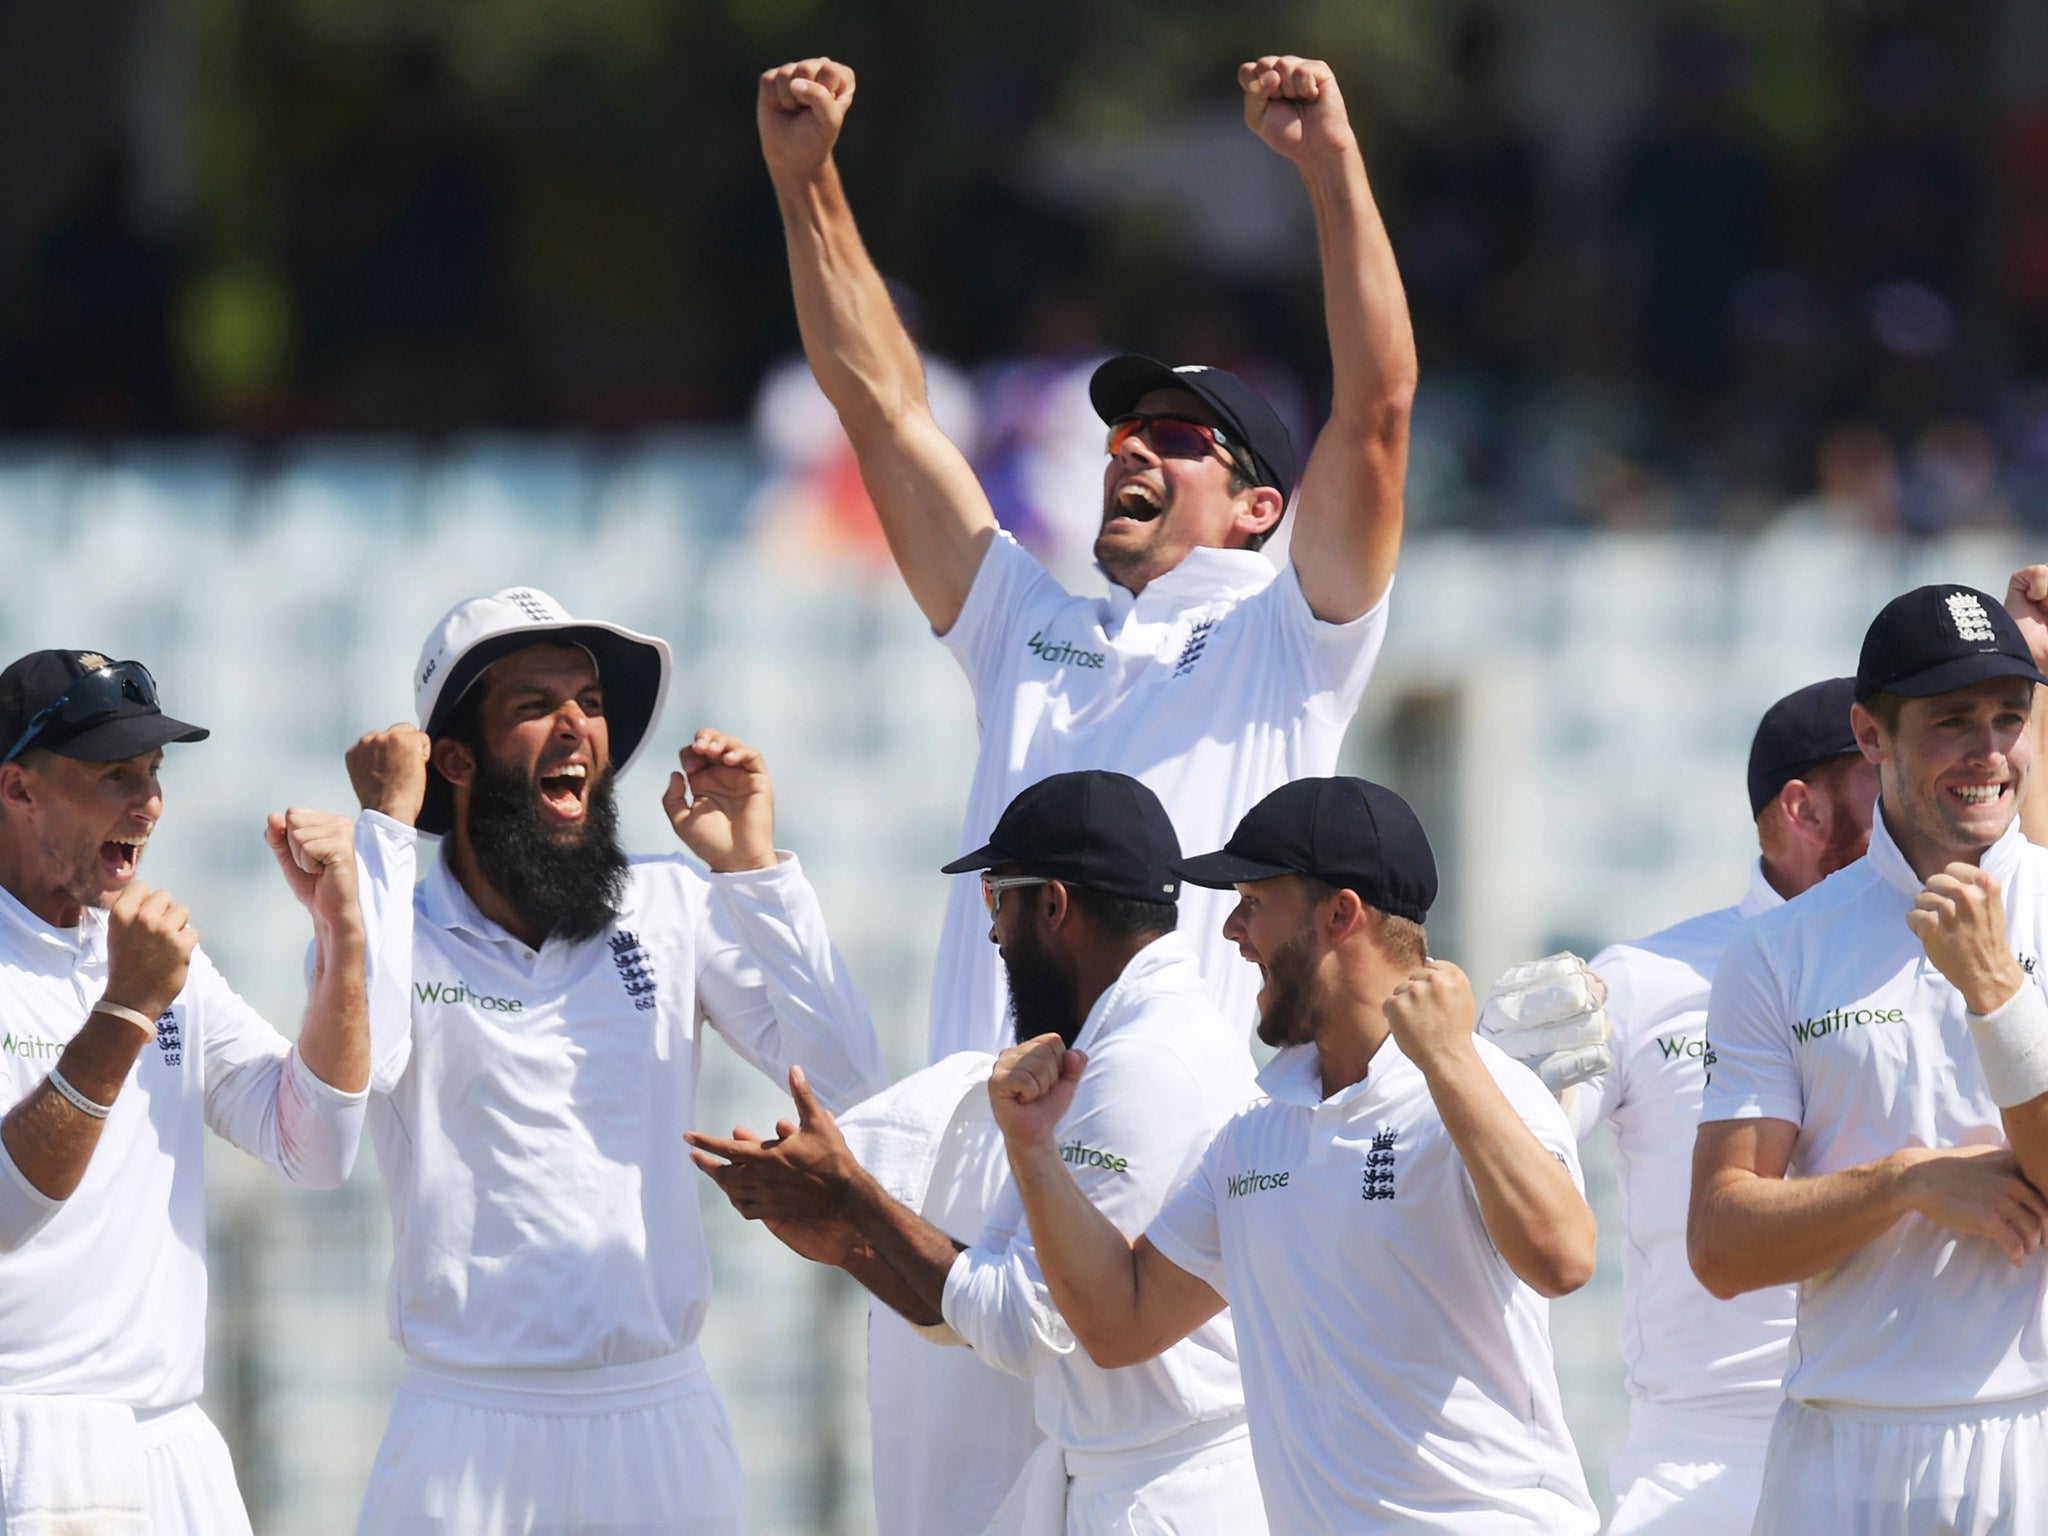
x,y
1234,927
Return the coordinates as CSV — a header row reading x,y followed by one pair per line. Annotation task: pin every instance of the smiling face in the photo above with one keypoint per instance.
x,y
79,828
1953,768
1155,510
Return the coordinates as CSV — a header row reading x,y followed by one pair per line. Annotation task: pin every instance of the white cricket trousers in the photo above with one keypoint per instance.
x,y
1199,1483
639,1450
1685,1473
1879,1472
79,1464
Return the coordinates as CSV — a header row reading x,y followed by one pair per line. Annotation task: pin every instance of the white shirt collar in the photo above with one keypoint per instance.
x,y
2001,859
44,944
445,904
1761,895
1202,573
1151,969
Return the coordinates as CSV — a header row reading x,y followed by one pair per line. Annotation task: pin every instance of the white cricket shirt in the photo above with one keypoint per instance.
x,y
1164,1074
1684,1348
104,1294
529,1107
1213,687
1827,1013
1398,1375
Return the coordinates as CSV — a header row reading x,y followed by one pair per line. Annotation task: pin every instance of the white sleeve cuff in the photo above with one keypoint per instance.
x,y
24,1209
389,827
311,1084
2012,1046
759,882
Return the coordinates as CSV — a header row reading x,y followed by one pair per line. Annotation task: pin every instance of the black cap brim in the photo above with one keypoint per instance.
x,y
984,857
1222,870
629,670
125,736
1961,672
1119,384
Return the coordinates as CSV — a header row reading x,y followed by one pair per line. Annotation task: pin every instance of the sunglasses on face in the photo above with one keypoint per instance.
x,y
1176,437
993,886
92,697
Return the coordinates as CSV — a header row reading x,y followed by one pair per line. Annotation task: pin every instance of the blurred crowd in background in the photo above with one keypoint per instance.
x,y
1681,265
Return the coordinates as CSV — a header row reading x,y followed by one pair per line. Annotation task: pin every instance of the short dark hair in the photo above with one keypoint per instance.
x,y
1884,707
1124,917
1401,940
465,722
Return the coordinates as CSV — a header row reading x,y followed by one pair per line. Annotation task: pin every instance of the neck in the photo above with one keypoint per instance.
x,y
1781,875
22,879
462,863
1350,1032
1098,967
1924,855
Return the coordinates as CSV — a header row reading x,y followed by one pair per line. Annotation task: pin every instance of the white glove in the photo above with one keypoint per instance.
x,y
1551,1016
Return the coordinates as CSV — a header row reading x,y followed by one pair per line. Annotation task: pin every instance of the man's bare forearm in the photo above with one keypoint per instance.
x,y
52,1141
334,1036
1088,1264
907,1258
1746,1231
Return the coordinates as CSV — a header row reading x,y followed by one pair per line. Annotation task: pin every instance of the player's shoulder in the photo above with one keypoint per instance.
x,y
1834,903
1524,1090
661,886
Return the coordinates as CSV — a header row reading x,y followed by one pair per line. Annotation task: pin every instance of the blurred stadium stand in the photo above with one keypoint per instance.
x,y
1570,711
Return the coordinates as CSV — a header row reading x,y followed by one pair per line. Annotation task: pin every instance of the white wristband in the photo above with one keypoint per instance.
x,y
77,1100
141,1021
2012,1046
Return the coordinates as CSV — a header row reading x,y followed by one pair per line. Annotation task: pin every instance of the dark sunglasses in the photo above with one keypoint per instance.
x,y
1176,437
97,695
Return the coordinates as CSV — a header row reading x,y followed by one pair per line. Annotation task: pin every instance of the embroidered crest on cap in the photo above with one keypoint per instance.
x,y
1972,624
92,661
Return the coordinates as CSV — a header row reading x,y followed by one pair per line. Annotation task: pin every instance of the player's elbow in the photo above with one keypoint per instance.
x,y
1709,1256
1562,1265
1115,1350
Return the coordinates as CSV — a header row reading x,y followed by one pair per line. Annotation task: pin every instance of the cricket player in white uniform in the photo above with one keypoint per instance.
x,y
1202,672
1875,1125
1385,1225
549,1278
122,1045
1704,1376
1081,901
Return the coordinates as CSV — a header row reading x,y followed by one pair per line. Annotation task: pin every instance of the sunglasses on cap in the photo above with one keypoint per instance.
x,y
91,697
1176,437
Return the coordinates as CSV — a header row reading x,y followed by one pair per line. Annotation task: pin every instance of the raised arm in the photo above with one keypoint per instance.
x,y
1347,534
1125,1301
316,852
2026,599
1533,1211
934,513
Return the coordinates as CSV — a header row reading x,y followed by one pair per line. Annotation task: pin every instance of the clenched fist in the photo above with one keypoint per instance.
x,y
722,804
1431,1013
799,112
1294,105
1959,917
316,850
149,948
388,770
1033,1086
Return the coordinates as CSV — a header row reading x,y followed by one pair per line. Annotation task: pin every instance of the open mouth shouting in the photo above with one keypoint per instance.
x,y
119,857
565,791
1134,500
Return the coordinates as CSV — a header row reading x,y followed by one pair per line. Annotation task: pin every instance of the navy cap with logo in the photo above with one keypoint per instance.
x,y
1345,832
84,705
1938,639
1797,734
1097,829
1119,384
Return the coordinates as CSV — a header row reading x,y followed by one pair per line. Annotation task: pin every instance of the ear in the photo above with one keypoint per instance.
x,y
1258,510
17,787
456,761
1804,811
1870,737
1053,902
1346,915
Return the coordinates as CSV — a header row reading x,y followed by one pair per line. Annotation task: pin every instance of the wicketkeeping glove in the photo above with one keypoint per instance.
x,y
1551,1015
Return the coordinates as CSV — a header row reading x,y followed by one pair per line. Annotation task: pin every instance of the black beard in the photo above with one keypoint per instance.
x,y
567,886
1041,994
1290,1018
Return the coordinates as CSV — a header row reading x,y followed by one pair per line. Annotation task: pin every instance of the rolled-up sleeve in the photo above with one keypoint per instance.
x,y
997,1301
387,867
260,1095
24,1209
770,981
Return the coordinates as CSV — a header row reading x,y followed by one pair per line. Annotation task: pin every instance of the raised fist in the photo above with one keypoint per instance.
x,y
1431,1013
722,804
388,770
1551,1015
1294,105
316,850
1033,1085
799,112
149,948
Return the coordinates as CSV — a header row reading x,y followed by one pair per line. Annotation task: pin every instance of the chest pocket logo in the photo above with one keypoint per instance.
x,y
1198,641
1379,1168
636,971
170,1039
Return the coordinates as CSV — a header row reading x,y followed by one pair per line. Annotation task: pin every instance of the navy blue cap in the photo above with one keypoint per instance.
x,y
1799,733
117,715
1105,831
1344,831
1938,639
1119,384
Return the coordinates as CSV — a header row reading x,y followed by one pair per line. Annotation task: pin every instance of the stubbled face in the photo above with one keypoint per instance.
x,y
1956,768
1850,793
90,824
1273,926
543,718
1155,510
